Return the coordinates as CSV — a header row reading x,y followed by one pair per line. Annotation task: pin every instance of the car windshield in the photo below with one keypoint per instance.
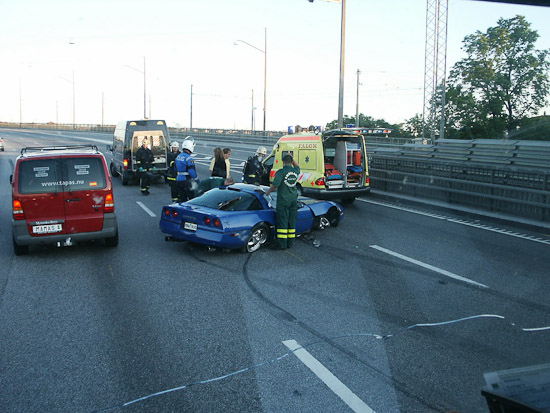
x,y
227,200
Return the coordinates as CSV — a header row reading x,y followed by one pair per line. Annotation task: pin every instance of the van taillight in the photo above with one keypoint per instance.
x,y
18,210
125,164
320,181
109,203
368,180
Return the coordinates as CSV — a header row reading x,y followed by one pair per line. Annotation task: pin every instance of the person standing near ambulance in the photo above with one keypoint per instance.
x,y
287,202
144,163
253,168
186,173
171,173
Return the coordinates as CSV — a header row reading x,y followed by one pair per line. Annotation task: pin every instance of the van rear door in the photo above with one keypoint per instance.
x,y
85,189
40,191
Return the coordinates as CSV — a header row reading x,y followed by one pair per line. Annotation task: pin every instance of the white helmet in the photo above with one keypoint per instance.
x,y
188,144
174,144
261,151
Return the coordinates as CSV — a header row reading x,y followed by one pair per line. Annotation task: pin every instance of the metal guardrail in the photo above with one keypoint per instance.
x,y
515,191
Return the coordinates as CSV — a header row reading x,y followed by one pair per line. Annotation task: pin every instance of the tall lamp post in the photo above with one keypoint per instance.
x,y
144,86
236,42
74,104
342,55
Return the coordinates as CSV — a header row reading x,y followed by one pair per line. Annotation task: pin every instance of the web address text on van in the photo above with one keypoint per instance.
x,y
62,183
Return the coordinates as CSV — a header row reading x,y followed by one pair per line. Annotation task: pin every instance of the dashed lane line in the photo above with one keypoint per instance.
x,y
428,266
151,213
333,383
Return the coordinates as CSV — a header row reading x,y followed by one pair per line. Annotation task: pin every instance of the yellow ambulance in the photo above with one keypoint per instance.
x,y
333,164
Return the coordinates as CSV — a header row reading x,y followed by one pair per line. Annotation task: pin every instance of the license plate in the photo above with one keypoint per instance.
x,y
47,229
190,226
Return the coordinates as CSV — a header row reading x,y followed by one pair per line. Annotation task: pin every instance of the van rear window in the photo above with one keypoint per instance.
x,y
41,176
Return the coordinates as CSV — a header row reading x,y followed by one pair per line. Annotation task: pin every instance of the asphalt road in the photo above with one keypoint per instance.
x,y
379,311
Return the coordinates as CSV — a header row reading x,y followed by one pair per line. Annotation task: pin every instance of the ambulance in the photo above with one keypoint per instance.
x,y
333,164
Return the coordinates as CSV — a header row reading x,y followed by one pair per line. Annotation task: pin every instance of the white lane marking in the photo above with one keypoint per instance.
x,y
429,267
339,388
461,221
151,213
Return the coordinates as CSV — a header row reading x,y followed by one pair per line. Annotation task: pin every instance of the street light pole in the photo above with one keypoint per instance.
x,y
265,69
191,112
342,54
144,91
144,86
265,74
357,102
74,105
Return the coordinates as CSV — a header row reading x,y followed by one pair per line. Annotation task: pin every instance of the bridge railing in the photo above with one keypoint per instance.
x,y
503,176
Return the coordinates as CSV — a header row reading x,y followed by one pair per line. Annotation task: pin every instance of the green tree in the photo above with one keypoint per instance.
x,y
502,81
364,122
413,126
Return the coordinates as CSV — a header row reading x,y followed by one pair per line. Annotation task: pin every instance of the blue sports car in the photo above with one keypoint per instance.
x,y
240,216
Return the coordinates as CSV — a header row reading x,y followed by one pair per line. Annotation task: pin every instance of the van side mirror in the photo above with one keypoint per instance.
x,y
11,179
110,148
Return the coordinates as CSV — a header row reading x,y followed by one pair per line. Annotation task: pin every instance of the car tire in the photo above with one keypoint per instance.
x,y
113,241
114,172
20,249
124,178
348,201
257,237
333,216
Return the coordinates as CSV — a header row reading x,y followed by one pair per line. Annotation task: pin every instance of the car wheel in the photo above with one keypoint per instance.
x,y
114,172
124,178
257,237
112,242
20,249
348,201
322,222
333,217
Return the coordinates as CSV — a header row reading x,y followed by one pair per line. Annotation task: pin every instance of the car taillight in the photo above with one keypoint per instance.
x,y
320,181
207,220
18,210
175,213
217,223
125,164
109,203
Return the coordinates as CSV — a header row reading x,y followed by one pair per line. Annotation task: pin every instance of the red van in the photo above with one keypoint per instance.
x,y
62,195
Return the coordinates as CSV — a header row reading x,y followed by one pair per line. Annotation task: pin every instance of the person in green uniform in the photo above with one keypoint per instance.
x,y
212,182
287,202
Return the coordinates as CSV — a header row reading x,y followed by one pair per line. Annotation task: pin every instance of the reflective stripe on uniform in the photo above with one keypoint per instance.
x,y
292,233
282,233
183,173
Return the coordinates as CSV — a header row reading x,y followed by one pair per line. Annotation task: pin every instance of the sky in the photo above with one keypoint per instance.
x,y
211,47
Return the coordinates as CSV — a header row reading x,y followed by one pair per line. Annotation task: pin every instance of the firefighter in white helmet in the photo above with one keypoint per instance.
x,y
253,169
171,173
185,168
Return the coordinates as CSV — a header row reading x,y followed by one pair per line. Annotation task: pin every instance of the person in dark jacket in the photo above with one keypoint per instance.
x,y
144,163
218,166
186,173
172,174
253,168
284,183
